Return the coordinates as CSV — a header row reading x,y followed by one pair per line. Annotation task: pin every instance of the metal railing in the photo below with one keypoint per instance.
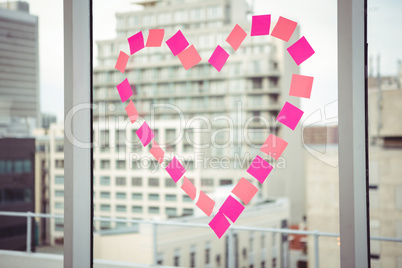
x,y
316,234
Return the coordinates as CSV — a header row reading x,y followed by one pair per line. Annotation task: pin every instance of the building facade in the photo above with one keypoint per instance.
x,y
17,190
235,108
19,70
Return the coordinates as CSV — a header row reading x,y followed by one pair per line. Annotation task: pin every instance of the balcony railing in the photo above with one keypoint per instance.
x,y
316,234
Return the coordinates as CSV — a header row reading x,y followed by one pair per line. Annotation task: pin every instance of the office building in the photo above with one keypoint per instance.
x,y
17,190
241,102
19,70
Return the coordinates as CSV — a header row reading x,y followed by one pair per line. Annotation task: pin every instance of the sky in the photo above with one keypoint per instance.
x,y
317,19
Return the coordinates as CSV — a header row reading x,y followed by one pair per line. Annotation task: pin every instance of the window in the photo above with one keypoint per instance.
x,y
188,212
136,209
58,179
59,193
176,258
186,198
104,207
59,163
136,196
105,180
171,211
207,182
136,181
153,210
59,205
121,181
207,252
225,182
105,195
170,197
153,182
192,256
169,183
120,164
153,197
105,164
121,208
121,195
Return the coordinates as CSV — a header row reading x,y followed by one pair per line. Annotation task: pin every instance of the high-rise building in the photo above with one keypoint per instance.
x,y
17,190
19,70
238,105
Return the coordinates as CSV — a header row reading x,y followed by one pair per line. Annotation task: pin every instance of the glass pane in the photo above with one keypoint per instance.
x,y
31,124
214,123
385,132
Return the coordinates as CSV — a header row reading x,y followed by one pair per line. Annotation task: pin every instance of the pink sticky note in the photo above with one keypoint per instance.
x,y
189,57
231,208
301,86
155,37
136,42
124,90
290,115
157,152
145,134
274,146
301,50
218,58
177,43
189,188
205,203
122,62
219,224
245,190
131,112
175,169
236,37
259,169
260,25
284,29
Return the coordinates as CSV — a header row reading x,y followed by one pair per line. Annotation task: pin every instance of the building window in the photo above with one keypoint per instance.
x,y
188,212
186,198
105,180
104,207
153,196
136,181
105,195
121,181
121,195
207,182
176,258
59,225
59,193
153,210
136,196
58,205
153,182
59,180
225,182
105,164
169,183
171,212
207,252
121,208
120,164
59,163
105,225
136,209
170,197
192,257
256,83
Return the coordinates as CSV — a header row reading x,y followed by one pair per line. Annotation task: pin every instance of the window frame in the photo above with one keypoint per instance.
x,y
353,165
